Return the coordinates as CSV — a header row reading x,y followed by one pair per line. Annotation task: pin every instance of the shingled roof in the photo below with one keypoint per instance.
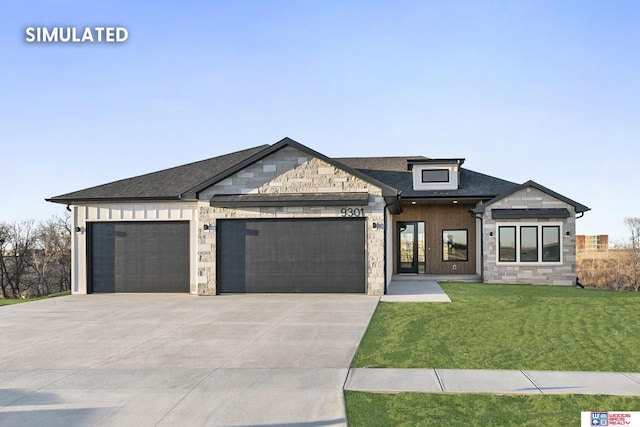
x,y
183,181
393,171
166,184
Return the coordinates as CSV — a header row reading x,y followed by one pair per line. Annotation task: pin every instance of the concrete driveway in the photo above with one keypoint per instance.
x,y
139,360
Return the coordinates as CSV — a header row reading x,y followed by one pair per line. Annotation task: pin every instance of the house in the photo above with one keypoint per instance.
x,y
285,218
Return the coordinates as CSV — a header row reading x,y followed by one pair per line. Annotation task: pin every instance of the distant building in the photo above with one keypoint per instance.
x,y
599,243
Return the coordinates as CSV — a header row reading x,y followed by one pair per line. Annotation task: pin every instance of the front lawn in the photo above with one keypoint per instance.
x,y
418,409
507,327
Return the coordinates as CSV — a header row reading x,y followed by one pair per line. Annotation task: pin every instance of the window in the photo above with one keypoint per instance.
x,y
507,244
551,244
529,243
435,175
454,245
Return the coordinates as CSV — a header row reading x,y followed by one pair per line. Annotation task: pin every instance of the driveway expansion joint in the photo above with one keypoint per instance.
x,y
626,374
439,379
532,382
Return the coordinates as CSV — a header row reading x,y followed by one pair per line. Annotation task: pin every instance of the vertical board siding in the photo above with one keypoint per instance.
x,y
436,219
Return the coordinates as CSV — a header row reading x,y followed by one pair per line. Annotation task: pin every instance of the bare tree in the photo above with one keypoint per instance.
x,y
51,259
4,250
618,268
632,267
35,260
18,242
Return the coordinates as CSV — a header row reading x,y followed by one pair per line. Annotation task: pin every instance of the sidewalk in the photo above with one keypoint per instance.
x,y
426,289
380,380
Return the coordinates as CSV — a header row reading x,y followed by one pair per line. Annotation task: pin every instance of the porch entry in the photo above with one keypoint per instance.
x,y
411,247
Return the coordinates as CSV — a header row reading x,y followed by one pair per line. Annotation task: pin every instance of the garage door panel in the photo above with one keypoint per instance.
x,y
139,257
103,259
291,255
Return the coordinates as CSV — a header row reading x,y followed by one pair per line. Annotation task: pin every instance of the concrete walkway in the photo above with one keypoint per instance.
x,y
492,381
414,289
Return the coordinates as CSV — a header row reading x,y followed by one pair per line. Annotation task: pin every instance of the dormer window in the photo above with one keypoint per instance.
x,y
435,174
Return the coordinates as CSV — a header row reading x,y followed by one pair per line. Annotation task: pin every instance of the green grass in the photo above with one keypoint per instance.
x,y
20,300
508,327
417,409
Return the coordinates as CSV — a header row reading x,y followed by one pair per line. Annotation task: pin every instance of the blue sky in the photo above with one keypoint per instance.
x,y
541,90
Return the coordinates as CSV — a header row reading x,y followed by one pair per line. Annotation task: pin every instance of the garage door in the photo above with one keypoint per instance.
x,y
291,255
139,257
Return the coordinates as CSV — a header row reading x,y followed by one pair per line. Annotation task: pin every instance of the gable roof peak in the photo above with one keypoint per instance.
x,y
579,208
287,142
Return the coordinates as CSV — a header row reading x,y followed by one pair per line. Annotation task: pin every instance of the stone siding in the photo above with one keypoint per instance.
x,y
537,273
290,171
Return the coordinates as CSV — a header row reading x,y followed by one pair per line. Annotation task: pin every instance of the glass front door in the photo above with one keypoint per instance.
x,y
411,255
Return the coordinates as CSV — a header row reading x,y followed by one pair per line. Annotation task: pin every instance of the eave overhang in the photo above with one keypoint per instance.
x,y
450,161
530,213
447,198
297,199
79,201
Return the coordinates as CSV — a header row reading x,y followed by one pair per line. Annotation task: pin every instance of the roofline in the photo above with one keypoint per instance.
x,y
579,208
458,160
72,201
286,141
478,198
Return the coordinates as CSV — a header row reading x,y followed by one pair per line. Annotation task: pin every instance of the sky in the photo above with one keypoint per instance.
x,y
540,90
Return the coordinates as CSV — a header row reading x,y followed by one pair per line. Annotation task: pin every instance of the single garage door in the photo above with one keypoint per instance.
x,y
291,255
139,256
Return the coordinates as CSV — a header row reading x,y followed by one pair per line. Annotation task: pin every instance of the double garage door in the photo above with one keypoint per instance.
x,y
253,256
291,255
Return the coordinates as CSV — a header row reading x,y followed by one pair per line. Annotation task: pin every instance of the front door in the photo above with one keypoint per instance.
x,y
410,247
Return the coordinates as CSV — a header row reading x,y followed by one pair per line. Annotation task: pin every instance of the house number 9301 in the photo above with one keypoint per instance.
x,y
352,212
